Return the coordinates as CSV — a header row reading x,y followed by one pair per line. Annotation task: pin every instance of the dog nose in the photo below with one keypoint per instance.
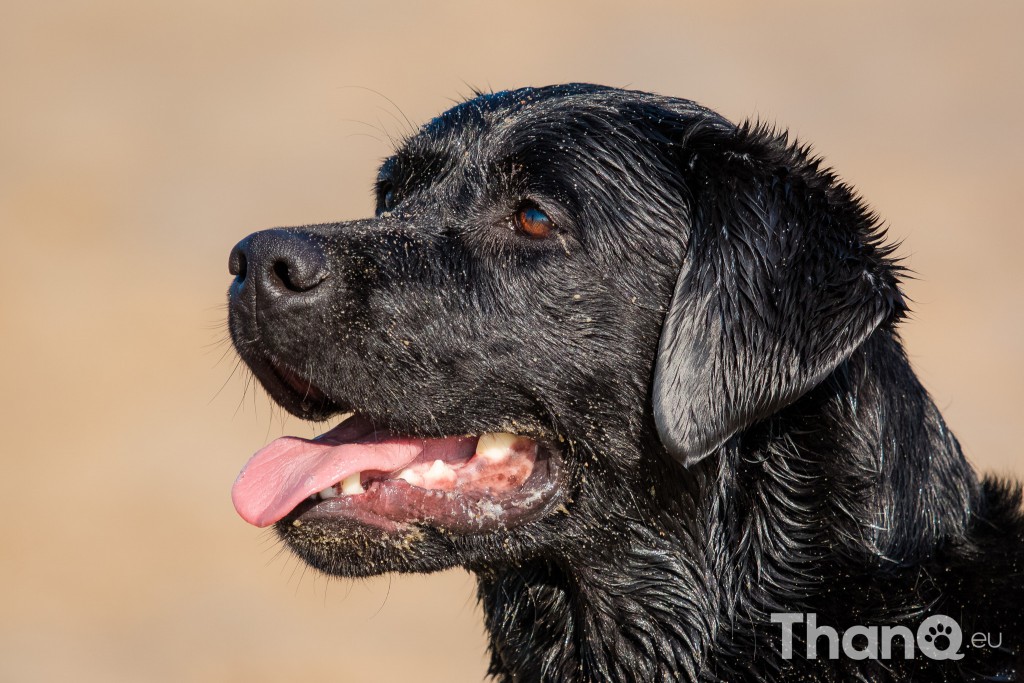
x,y
278,263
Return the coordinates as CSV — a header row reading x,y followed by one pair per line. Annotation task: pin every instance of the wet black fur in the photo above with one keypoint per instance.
x,y
806,470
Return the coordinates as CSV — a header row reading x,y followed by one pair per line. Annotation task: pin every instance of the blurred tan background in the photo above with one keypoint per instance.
x,y
140,140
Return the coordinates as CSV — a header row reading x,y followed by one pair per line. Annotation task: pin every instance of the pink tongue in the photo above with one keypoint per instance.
x,y
288,470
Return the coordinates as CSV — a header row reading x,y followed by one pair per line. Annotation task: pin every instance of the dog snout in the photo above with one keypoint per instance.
x,y
279,266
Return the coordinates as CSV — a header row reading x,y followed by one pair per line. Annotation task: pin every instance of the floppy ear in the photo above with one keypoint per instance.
x,y
784,276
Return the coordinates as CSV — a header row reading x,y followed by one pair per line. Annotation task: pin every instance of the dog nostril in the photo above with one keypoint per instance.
x,y
281,271
288,276
237,263
299,272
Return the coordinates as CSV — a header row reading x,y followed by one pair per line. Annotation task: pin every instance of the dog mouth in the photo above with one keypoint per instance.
x,y
356,471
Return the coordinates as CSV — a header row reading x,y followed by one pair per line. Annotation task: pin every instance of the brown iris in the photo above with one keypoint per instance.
x,y
533,222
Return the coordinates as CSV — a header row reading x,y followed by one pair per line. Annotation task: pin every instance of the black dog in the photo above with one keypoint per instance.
x,y
636,367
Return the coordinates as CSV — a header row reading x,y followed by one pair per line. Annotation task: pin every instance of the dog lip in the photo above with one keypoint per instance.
x,y
290,388
302,387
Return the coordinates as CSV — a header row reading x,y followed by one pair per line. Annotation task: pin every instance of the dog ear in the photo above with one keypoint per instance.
x,y
784,275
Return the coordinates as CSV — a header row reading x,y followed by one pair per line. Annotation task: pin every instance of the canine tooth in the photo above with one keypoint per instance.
x,y
328,493
495,445
352,485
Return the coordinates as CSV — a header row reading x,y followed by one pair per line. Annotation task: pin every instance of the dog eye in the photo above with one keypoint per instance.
x,y
385,196
533,222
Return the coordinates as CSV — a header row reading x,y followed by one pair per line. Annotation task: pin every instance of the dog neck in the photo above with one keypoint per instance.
x,y
809,493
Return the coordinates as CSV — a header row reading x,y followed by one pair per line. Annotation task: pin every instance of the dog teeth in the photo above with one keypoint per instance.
x,y
438,469
411,477
495,445
352,485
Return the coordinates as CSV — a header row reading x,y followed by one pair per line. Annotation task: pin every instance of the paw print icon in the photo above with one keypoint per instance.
x,y
940,637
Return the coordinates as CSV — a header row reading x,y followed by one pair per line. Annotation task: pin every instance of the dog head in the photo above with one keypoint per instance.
x,y
567,294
